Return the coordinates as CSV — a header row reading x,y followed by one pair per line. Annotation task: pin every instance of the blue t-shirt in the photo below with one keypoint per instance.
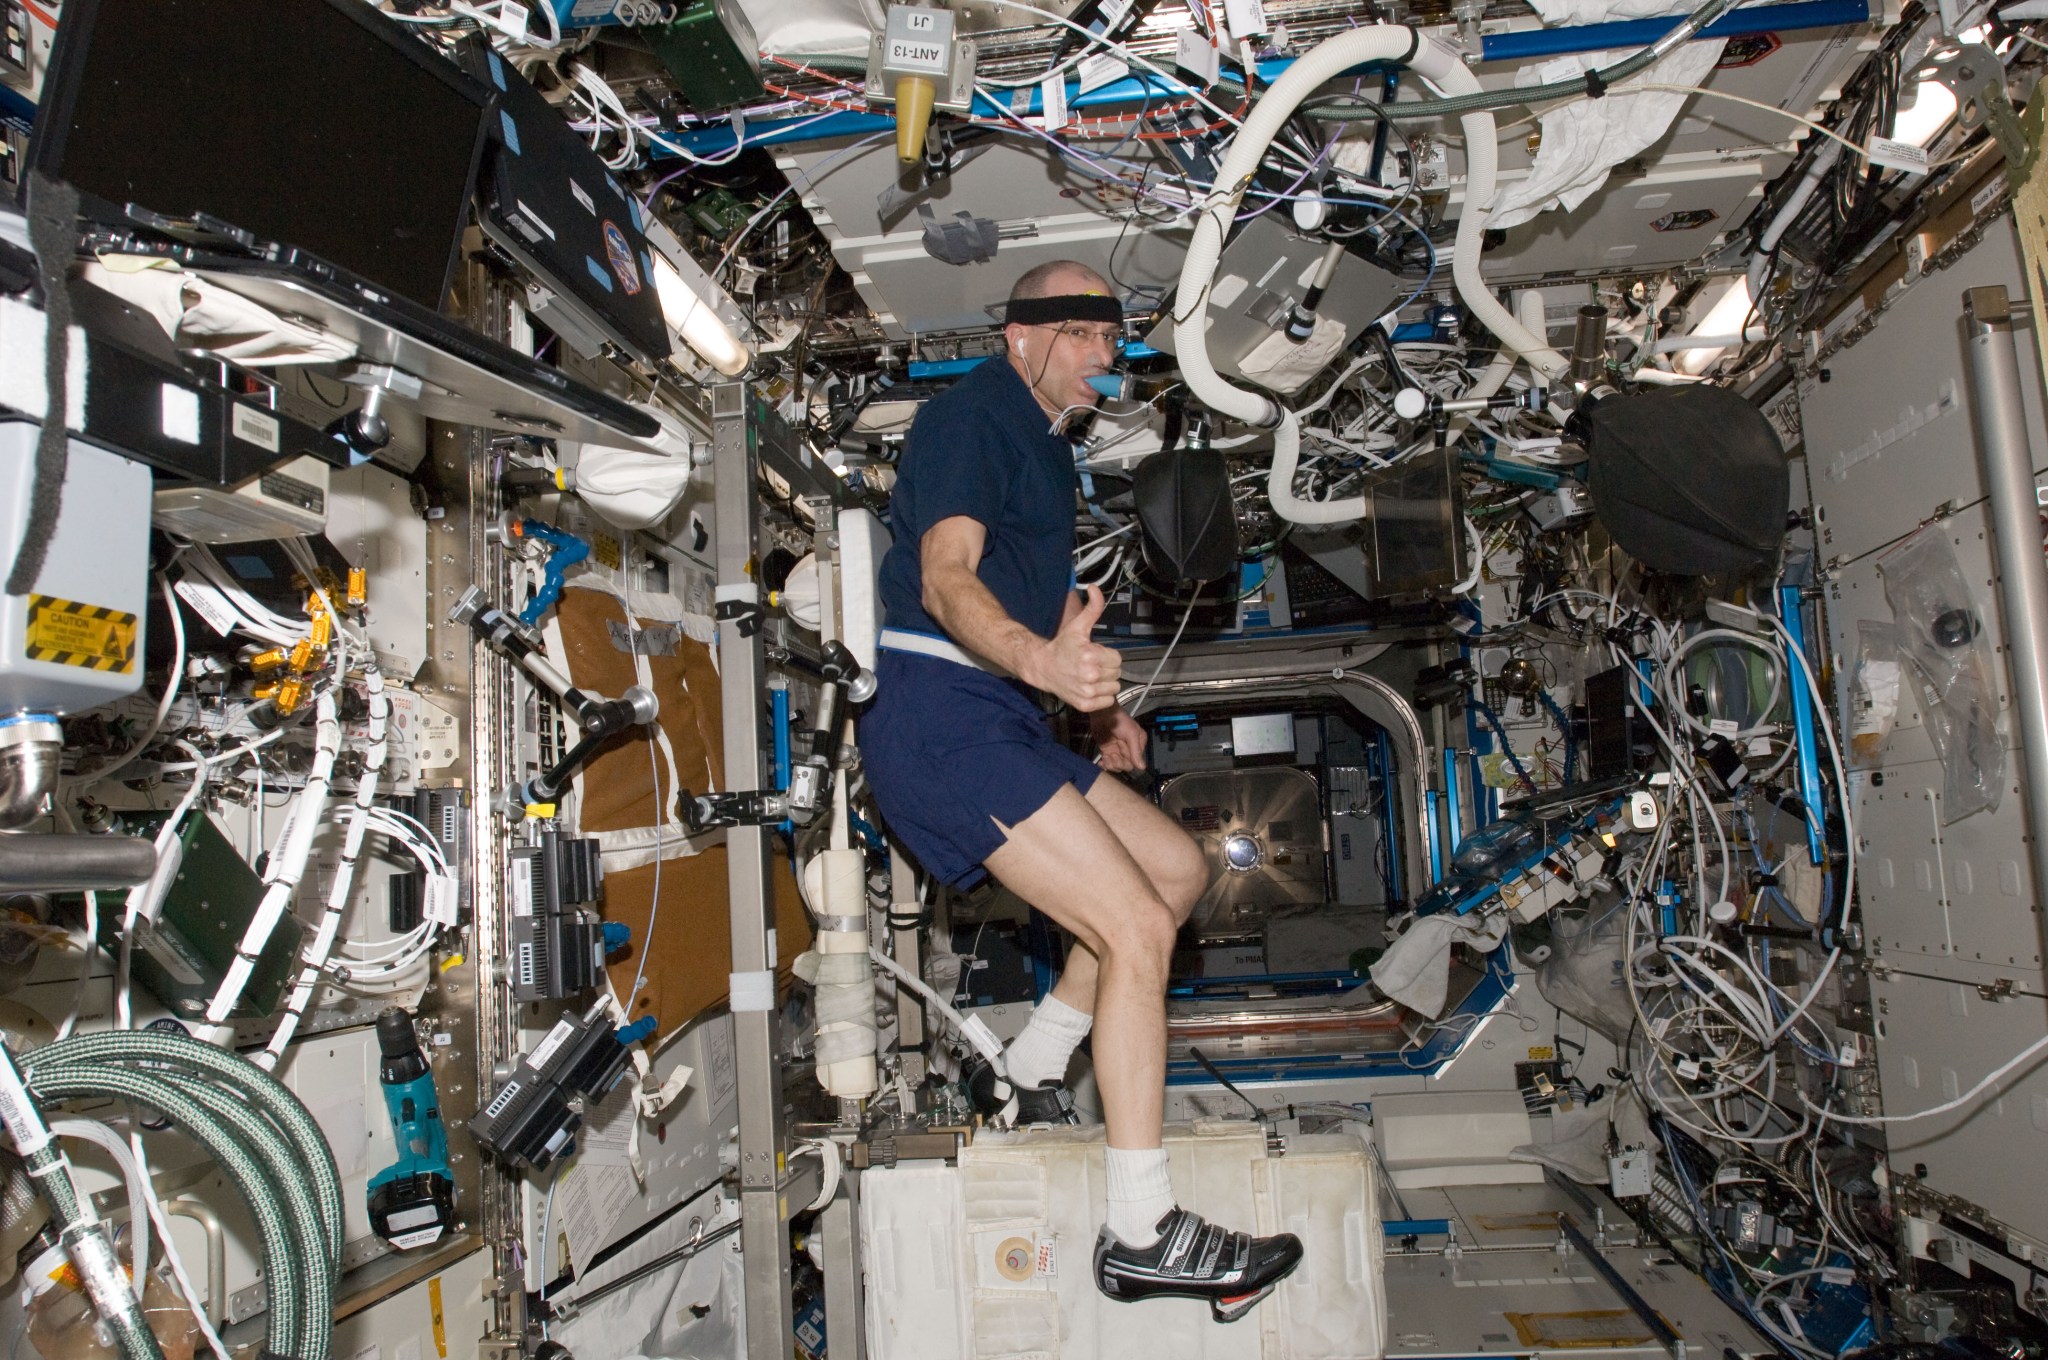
x,y
981,449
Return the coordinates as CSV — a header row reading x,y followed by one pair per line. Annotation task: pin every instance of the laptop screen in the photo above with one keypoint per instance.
x,y
319,124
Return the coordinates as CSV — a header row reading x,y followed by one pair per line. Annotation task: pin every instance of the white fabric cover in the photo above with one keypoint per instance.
x,y
810,27
198,314
1282,365
992,1260
1585,139
628,488
1416,969
1556,13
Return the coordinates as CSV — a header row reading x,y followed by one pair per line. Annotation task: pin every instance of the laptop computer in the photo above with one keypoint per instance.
x,y
339,156
548,200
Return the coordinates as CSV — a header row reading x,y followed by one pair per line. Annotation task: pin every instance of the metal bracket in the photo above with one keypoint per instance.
x,y
2000,990
1977,76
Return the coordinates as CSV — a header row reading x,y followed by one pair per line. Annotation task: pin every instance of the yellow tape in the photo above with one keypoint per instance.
x,y
1589,1329
440,1323
68,633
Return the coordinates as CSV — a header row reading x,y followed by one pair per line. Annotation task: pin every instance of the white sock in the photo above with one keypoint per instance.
x,y
1041,1053
1139,1193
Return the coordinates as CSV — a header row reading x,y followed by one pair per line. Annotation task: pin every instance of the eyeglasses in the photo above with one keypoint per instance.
x,y
1113,336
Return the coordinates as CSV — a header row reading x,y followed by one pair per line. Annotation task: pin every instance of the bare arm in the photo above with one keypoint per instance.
x,y
1067,664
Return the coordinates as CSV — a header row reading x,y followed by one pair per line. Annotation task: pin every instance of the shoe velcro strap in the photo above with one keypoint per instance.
x,y
1180,1248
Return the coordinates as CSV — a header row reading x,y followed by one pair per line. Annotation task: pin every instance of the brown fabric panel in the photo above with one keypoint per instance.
x,y
690,958
690,965
702,677
618,787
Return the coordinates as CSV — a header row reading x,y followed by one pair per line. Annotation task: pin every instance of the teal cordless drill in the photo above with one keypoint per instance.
x,y
412,1201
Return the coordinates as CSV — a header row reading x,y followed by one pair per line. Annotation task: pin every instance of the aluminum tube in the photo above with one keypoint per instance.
x,y
31,862
1589,344
2016,530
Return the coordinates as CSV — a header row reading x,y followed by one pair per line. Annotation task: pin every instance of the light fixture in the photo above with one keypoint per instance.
x,y
698,324
1725,317
694,306
1932,107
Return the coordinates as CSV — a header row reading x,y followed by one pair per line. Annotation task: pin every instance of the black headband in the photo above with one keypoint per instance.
x,y
1046,311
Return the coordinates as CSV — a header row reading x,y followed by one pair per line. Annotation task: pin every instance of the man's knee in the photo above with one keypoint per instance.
x,y
1144,932
1184,875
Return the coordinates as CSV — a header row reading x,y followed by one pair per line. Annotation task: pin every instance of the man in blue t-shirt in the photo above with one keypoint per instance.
x,y
980,613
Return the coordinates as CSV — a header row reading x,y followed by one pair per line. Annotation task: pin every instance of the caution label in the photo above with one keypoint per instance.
x,y
68,633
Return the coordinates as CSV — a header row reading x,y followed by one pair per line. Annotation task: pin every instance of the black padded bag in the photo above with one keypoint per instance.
x,y
1183,503
1688,480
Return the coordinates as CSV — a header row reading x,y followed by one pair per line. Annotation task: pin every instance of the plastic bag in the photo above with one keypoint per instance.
x,y
1941,633
1873,691
1583,977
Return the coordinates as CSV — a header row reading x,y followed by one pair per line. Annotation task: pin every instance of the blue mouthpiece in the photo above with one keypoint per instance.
x,y
1108,384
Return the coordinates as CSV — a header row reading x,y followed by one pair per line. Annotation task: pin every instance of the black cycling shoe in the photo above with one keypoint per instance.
x,y
1197,1260
1010,1107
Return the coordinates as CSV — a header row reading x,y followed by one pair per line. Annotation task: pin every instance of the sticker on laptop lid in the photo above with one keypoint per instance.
x,y
620,252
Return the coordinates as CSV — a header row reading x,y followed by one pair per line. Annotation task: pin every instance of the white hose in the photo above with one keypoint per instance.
x,y
841,975
1529,307
1449,75
1674,344
1658,377
1482,163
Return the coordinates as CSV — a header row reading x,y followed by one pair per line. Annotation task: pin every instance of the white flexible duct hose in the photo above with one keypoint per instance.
x,y
1678,344
1482,163
1382,42
1322,63
1529,307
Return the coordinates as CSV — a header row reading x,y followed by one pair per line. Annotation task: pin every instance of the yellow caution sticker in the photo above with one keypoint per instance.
x,y
68,633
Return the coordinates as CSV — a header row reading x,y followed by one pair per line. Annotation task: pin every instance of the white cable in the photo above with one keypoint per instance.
x,y
144,902
1827,727
108,1141
1674,679
969,1027
287,862
92,935
163,706
316,952
1186,614
223,758
1829,1117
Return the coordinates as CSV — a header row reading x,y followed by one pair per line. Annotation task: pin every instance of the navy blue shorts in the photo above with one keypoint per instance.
x,y
950,751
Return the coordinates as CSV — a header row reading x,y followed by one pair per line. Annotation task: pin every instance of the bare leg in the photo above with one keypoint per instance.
x,y
1066,860
1169,858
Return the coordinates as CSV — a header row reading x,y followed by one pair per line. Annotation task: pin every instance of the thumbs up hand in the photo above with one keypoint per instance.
x,y
1072,667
